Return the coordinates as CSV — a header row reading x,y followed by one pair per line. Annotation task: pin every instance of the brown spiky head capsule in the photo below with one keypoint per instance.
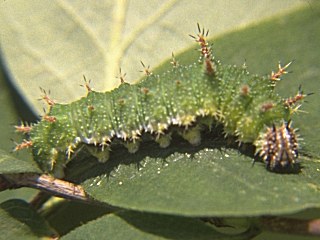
x,y
279,147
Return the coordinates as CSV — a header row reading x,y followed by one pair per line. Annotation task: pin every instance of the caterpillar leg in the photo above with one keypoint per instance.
x,y
192,135
163,140
132,146
102,154
57,163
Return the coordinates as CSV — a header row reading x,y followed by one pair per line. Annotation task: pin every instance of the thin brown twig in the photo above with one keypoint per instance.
x,y
256,225
46,183
290,225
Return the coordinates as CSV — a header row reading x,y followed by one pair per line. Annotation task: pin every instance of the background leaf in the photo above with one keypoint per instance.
x,y
52,43
64,215
134,225
207,182
10,164
9,118
18,220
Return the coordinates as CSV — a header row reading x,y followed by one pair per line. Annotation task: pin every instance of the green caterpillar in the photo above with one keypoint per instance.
x,y
185,100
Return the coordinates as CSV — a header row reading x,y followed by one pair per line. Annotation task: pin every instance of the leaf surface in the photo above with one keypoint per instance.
x,y
206,182
133,225
10,164
19,221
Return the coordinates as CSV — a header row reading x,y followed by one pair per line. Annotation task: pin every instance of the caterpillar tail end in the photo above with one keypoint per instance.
x,y
278,147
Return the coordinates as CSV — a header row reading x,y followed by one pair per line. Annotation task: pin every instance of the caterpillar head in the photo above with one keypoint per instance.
x,y
278,147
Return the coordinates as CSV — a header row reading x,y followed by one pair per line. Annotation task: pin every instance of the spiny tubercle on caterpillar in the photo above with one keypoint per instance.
x,y
185,100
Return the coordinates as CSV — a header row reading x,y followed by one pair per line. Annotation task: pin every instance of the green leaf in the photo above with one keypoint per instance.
x,y
133,225
8,116
10,164
8,119
206,182
66,215
52,43
18,220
